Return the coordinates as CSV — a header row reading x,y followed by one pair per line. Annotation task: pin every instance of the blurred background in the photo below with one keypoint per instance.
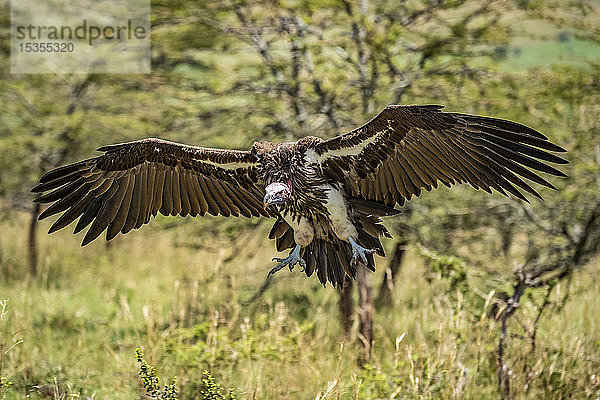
x,y
481,296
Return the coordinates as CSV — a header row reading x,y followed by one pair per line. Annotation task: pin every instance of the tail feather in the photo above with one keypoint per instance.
x,y
370,262
332,259
345,259
310,257
334,271
322,262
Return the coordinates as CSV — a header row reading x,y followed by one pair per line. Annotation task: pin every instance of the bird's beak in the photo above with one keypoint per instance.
x,y
275,194
267,201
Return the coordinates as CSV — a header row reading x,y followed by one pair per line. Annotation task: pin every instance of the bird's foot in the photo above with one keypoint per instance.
x,y
359,251
290,261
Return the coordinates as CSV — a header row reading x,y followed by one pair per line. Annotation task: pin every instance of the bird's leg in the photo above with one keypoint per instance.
x,y
359,251
291,260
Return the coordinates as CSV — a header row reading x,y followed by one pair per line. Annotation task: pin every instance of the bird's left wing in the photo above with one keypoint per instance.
x,y
405,149
121,189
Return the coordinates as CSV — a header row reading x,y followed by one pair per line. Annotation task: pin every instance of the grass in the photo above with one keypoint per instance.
x,y
180,291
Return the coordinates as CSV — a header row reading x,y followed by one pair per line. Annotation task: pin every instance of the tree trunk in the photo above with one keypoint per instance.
x,y
32,240
366,311
345,305
385,295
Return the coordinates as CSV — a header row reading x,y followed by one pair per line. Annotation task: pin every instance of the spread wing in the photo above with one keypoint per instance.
x,y
121,189
405,149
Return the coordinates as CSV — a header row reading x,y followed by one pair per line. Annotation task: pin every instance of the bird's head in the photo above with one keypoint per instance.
x,y
276,193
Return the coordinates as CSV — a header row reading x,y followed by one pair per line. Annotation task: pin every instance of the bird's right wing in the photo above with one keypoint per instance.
x,y
121,189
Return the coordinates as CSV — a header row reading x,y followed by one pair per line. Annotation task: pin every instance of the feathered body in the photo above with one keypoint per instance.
x,y
328,196
319,211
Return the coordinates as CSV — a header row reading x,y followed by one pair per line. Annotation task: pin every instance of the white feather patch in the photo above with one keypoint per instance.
x,y
338,213
314,158
229,166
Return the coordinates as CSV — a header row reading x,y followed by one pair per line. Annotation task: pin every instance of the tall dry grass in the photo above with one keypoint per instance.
x,y
180,291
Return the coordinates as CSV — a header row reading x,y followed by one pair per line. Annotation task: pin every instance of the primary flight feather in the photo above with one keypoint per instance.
x,y
328,196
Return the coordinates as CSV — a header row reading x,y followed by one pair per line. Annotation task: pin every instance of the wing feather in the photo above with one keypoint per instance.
x,y
186,208
213,207
167,203
229,199
411,185
61,192
123,188
118,221
157,192
70,198
437,157
151,177
72,213
377,186
239,203
107,211
88,215
175,192
141,212
432,166
134,207
398,176
388,183
405,149
199,195
414,177
191,192
220,198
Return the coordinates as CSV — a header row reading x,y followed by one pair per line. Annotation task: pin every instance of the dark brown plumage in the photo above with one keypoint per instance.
x,y
328,195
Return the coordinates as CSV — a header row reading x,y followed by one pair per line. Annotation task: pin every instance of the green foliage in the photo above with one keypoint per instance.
x,y
192,315
151,381
212,390
450,267
326,67
8,343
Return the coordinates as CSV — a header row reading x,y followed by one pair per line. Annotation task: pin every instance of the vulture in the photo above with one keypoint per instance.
x,y
327,196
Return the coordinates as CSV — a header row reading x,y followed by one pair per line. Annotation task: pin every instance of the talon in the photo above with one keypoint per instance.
x,y
302,265
291,260
359,251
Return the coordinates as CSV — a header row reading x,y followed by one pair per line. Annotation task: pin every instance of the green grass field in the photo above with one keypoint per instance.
x,y
183,300
180,289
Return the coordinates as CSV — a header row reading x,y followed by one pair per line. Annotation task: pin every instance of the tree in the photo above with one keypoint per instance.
x,y
330,69
224,71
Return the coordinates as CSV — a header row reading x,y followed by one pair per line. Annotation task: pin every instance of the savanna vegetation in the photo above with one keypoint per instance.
x,y
482,296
